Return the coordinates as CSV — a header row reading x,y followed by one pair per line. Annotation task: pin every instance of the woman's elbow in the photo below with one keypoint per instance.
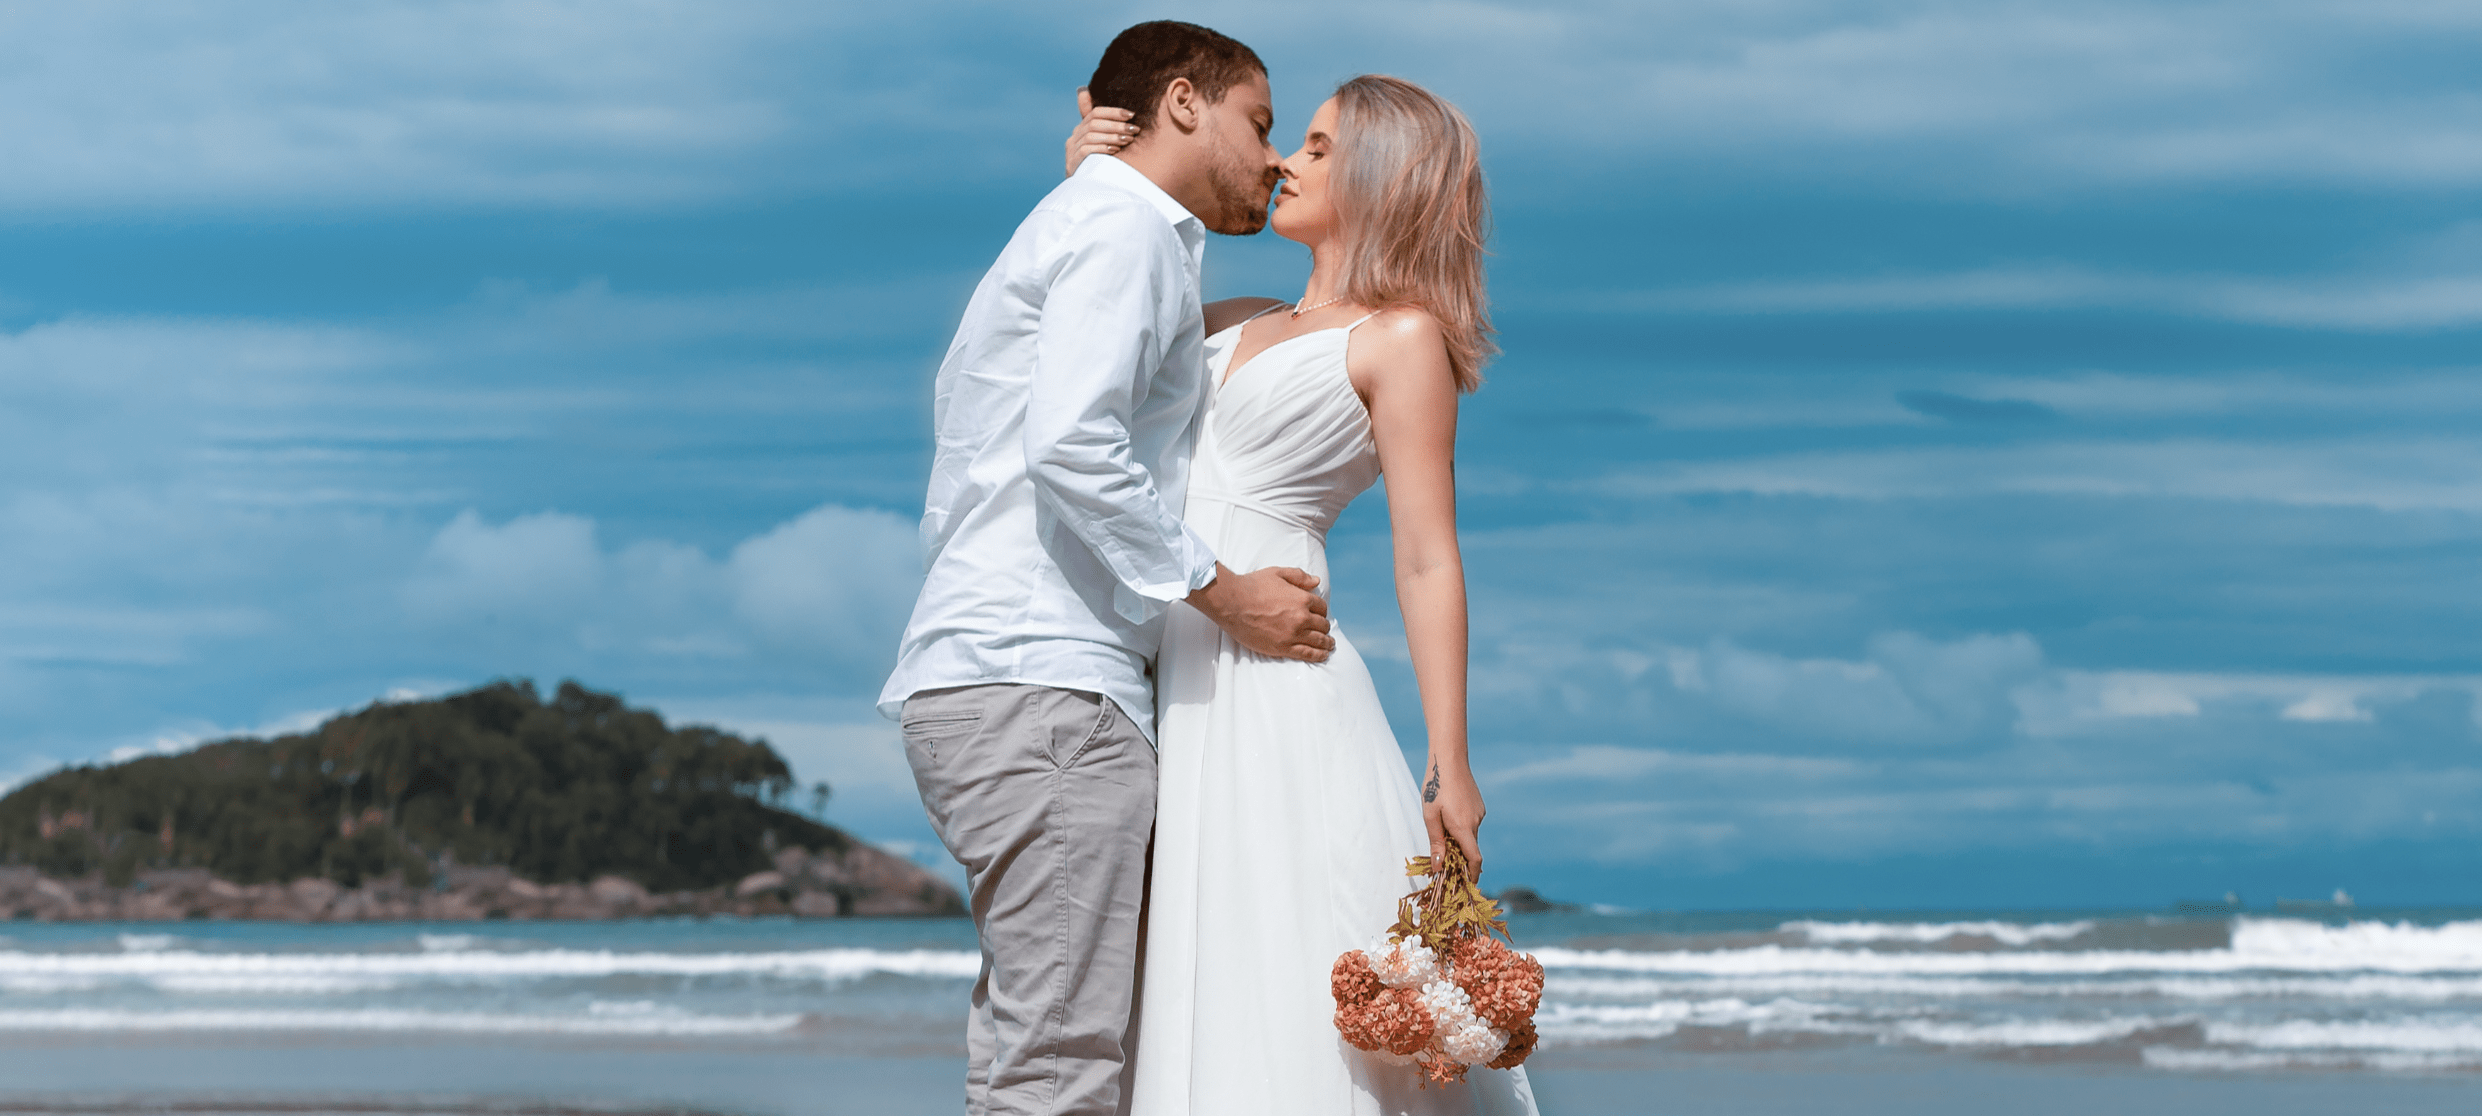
x,y
1431,569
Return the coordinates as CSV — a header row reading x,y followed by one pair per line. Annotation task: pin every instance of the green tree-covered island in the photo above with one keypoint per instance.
x,y
492,803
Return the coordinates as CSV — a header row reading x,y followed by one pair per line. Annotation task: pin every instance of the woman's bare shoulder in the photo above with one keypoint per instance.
x,y
1399,344
1402,335
1227,313
1408,327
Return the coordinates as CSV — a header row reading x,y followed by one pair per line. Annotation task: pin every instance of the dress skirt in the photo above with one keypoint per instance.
x,y
1285,817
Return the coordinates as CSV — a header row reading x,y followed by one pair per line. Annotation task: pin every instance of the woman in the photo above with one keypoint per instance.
x,y
1286,812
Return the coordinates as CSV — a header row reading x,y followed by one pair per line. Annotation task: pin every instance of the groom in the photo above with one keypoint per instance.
x,y
1066,412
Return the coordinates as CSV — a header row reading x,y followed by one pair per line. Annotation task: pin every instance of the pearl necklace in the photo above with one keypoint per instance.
x,y
1301,310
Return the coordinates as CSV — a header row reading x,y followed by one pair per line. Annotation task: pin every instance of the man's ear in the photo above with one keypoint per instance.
x,y
1182,107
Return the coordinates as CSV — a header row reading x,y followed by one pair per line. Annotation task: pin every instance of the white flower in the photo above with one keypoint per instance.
x,y
1472,1042
1448,1004
1402,964
1461,1035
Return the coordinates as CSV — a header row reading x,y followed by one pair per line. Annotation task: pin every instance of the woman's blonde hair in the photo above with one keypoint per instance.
x,y
1413,211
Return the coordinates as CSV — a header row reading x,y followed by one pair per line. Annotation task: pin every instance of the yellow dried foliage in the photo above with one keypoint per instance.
x,y
1447,907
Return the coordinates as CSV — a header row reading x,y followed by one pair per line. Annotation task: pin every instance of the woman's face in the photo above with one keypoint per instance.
x,y
1304,210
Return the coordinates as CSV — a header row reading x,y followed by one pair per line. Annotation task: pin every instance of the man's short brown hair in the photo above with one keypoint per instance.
x,y
1143,60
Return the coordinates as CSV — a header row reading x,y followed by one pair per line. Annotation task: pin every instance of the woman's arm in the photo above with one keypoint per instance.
x,y
1399,364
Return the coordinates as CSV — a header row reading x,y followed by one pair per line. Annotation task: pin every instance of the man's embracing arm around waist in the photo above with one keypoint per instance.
x,y
1113,306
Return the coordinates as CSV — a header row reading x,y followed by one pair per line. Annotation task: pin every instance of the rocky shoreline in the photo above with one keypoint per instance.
x,y
861,882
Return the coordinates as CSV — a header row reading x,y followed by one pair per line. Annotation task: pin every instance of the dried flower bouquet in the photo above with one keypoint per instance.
x,y
1436,990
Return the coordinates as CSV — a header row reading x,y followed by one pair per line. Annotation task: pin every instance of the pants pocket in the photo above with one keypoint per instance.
x,y
931,730
927,737
1106,715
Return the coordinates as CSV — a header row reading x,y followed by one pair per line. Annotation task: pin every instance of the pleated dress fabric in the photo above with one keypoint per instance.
x,y
1286,809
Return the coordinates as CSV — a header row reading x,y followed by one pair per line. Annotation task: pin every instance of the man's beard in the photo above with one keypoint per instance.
x,y
1239,211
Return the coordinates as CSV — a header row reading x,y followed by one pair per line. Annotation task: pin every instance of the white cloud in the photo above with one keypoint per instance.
x,y
118,105
833,585
2236,399
1908,691
391,105
1597,763
828,578
1764,755
2244,394
2368,302
2392,474
123,634
545,566
2072,701
363,104
2029,97
202,514
1731,810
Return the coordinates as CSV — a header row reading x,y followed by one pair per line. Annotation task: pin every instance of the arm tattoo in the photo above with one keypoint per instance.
x,y
1430,790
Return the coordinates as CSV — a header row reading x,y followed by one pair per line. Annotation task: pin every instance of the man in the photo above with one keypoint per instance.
x,y
1066,411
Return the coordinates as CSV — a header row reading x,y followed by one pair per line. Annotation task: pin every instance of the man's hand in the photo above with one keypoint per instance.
x,y
1271,611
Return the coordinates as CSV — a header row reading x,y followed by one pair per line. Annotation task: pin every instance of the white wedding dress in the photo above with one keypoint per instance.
x,y
1287,810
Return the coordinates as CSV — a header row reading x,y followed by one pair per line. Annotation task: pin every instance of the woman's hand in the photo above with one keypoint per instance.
x,y
1452,808
1099,131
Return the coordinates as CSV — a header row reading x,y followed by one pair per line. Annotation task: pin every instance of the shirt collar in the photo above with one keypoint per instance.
x,y
1105,168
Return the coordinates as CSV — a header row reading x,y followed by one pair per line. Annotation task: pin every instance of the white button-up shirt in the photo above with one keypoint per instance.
x,y
1066,412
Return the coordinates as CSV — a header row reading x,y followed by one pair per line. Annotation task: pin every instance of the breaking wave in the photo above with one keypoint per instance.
x,y
2256,945
2014,935
384,1020
280,972
2246,995
2253,994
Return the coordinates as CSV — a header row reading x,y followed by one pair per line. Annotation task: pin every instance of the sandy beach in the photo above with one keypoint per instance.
x,y
219,1080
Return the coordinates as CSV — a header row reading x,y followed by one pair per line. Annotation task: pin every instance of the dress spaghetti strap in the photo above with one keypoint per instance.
x,y
1358,321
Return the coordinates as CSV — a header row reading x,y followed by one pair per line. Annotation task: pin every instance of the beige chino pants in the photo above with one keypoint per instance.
x,y
1047,797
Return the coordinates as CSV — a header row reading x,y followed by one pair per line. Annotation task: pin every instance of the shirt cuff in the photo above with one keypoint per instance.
x,y
1201,559
1141,603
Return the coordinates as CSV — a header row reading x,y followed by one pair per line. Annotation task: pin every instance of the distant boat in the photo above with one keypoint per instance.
x,y
2229,904
2340,902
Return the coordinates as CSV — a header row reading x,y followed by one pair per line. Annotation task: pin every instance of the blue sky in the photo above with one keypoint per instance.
x,y
1945,453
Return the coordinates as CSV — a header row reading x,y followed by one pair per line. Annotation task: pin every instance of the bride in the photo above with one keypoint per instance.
x,y
1286,812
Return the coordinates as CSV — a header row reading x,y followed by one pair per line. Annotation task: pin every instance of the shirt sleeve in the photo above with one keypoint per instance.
x,y
1114,298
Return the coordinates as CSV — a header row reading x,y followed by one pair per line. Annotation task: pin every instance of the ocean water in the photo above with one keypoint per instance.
x,y
797,1017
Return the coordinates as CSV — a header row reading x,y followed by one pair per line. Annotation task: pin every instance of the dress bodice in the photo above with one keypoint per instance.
x,y
1287,437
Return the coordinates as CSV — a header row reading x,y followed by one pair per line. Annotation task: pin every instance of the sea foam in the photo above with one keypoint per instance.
x,y
386,1020
1925,933
824,965
2264,945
